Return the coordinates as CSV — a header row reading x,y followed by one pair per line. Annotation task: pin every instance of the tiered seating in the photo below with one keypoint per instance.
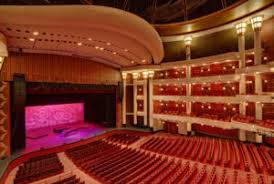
x,y
227,133
215,89
214,111
225,153
38,168
214,69
70,180
252,120
111,164
126,139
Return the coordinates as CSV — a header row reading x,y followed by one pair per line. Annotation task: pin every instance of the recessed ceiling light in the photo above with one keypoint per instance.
x,y
108,43
89,39
31,39
143,60
102,48
79,44
125,50
35,33
114,53
96,47
132,61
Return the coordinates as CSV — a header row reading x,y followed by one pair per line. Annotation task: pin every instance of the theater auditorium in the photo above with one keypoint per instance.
x,y
136,92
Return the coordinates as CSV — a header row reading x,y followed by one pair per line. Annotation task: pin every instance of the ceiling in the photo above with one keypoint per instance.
x,y
106,35
154,11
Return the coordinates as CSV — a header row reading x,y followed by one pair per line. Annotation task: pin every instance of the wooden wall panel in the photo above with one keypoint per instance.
x,y
4,119
60,69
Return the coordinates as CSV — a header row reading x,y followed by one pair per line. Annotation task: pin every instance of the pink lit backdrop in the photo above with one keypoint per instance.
x,y
52,115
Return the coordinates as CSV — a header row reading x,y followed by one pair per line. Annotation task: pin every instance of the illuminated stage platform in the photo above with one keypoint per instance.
x,y
48,137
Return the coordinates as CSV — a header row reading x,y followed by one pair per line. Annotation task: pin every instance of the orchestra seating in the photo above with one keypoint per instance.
x,y
70,180
109,163
219,152
38,168
126,139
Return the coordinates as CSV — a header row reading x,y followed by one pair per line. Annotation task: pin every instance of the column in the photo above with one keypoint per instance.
x,y
135,76
256,25
242,108
241,46
188,89
187,41
124,111
182,128
188,107
150,101
242,135
188,77
257,47
145,102
259,111
258,138
240,28
242,84
258,83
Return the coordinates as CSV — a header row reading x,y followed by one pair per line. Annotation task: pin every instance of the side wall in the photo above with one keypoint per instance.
x,y
4,119
58,69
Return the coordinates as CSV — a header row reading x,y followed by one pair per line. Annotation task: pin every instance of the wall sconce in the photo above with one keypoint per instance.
x,y
124,75
150,74
256,22
135,75
240,28
188,40
145,74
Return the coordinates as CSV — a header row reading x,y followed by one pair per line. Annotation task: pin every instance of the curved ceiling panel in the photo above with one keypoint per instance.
x,y
107,35
238,11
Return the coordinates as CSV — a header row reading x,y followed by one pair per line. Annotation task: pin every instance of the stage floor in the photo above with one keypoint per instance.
x,y
47,138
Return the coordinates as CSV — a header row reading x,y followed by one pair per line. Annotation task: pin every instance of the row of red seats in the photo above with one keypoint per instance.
x,y
125,165
183,113
210,130
38,168
226,153
70,180
173,90
252,120
214,69
213,89
126,139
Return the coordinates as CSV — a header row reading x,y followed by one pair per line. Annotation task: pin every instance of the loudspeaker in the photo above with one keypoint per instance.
x,y
18,133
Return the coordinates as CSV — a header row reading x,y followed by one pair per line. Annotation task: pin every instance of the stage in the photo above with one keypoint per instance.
x,y
48,137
